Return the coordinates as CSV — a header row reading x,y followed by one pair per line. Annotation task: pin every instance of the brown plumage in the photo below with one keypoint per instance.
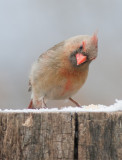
x,y
62,70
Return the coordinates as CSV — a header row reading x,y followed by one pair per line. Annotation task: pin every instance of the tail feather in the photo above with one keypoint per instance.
x,y
30,86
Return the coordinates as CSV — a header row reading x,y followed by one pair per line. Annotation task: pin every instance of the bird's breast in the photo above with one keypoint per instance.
x,y
74,81
59,84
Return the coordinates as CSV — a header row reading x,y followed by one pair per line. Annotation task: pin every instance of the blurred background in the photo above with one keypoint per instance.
x,y
30,27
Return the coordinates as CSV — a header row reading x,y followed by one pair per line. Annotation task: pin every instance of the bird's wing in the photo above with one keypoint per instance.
x,y
49,53
52,50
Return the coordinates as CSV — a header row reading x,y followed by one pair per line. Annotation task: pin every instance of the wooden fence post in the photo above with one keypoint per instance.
x,y
61,136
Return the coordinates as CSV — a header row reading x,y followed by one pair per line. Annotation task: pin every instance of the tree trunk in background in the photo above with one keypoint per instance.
x,y
61,136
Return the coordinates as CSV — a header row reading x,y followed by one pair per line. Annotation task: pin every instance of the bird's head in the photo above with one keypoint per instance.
x,y
82,49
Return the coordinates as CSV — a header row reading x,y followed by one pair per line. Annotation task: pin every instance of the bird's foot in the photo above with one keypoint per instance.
x,y
38,104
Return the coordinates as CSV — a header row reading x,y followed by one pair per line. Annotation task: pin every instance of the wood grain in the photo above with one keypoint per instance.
x,y
61,136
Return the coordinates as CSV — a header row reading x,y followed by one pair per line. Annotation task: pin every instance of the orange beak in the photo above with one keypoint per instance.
x,y
80,58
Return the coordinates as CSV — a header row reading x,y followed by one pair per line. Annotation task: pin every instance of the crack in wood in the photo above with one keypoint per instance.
x,y
76,138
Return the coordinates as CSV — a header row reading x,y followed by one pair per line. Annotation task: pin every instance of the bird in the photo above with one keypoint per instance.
x,y
62,70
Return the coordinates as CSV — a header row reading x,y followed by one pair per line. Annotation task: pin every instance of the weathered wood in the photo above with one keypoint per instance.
x,y
61,136
100,136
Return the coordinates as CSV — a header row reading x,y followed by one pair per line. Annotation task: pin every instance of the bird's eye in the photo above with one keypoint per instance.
x,y
81,47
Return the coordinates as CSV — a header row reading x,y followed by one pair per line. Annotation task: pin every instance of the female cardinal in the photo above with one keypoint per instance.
x,y
62,70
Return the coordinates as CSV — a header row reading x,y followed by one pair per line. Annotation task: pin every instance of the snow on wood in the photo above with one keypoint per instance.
x,y
91,108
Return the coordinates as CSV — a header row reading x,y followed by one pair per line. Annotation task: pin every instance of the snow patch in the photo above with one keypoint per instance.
x,y
117,106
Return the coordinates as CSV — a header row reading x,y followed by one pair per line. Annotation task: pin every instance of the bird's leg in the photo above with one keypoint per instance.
x,y
39,103
43,103
31,105
76,103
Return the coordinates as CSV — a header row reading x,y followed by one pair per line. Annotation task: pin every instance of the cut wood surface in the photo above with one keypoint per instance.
x,y
61,136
